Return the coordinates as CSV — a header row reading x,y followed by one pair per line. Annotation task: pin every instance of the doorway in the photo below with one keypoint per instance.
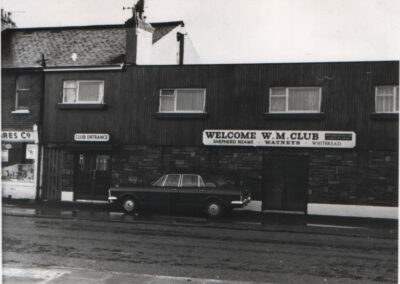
x,y
92,175
285,183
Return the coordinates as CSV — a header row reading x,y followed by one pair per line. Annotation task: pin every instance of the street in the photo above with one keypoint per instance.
x,y
197,250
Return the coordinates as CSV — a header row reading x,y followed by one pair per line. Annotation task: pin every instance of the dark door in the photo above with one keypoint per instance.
x,y
93,175
285,183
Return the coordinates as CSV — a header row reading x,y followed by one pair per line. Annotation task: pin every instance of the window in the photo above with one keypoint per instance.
x,y
87,92
295,99
387,99
182,100
191,181
102,162
22,92
172,181
160,181
15,165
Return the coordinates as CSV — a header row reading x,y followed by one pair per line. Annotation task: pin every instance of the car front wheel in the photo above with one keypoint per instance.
x,y
129,205
214,209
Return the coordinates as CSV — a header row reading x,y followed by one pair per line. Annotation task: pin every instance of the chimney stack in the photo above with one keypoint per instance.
x,y
139,37
6,21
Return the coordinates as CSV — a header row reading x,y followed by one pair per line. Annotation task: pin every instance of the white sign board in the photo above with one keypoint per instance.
x,y
31,151
92,137
19,136
280,138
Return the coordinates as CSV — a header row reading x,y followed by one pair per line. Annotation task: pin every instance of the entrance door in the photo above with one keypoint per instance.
x,y
285,183
92,175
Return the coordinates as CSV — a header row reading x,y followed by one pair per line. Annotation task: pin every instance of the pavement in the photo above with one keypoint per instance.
x,y
240,220
64,275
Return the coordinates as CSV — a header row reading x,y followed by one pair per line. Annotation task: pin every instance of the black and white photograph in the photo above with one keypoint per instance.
x,y
200,141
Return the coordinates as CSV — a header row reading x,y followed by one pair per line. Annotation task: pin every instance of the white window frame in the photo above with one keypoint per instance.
x,y
175,95
101,92
17,94
287,100
395,102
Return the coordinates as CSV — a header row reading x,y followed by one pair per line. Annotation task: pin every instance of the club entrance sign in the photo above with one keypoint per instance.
x,y
280,138
92,137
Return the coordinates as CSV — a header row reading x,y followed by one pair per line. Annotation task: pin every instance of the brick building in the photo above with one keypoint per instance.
x,y
314,138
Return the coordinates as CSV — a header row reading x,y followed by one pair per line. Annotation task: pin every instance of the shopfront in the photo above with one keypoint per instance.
x,y
19,160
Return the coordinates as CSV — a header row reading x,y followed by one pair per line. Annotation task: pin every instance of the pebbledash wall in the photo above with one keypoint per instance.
x,y
144,143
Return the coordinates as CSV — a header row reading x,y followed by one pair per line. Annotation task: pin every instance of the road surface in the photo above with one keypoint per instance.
x,y
240,253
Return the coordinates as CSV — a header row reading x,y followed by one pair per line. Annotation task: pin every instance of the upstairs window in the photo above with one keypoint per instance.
x,y
182,100
83,92
386,99
22,93
295,100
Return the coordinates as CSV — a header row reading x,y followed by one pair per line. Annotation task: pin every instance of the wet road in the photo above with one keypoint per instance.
x,y
307,255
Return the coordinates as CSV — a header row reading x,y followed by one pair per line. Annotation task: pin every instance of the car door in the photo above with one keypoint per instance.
x,y
164,197
191,192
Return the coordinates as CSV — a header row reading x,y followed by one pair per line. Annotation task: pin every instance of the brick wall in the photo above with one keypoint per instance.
x,y
8,90
353,177
335,176
136,165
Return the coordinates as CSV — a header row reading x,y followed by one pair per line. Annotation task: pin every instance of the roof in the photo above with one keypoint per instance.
x,y
93,45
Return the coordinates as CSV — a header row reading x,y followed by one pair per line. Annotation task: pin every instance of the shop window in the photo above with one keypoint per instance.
x,y
182,100
387,99
22,93
295,100
17,161
83,92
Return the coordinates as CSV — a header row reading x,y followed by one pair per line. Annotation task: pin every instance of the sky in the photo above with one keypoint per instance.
x,y
246,31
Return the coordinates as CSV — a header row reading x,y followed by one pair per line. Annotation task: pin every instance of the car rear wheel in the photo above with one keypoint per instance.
x,y
129,205
214,209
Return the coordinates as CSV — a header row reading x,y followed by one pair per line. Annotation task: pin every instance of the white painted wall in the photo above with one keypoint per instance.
x,y
166,50
144,47
17,190
353,210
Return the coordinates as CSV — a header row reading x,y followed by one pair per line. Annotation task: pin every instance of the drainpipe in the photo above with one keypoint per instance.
x,y
39,175
181,39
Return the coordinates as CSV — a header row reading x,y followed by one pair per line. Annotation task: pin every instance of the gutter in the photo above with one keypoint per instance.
x,y
84,68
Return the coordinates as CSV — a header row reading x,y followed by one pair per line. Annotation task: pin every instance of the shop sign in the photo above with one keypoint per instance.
x,y
30,151
92,137
280,138
19,136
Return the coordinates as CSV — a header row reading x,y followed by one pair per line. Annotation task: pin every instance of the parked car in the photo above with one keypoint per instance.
x,y
180,191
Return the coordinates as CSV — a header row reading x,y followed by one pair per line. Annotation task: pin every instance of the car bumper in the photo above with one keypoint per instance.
x,y
112,199
240,203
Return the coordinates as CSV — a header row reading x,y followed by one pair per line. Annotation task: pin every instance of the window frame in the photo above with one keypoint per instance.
x,y
395,102
18,91
175,95
101,92
286,96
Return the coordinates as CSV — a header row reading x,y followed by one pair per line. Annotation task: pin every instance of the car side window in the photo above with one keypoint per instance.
x,y
172,181
201,182
190,181
160,181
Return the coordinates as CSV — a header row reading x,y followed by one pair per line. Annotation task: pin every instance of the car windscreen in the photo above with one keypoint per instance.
x,y
160,181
